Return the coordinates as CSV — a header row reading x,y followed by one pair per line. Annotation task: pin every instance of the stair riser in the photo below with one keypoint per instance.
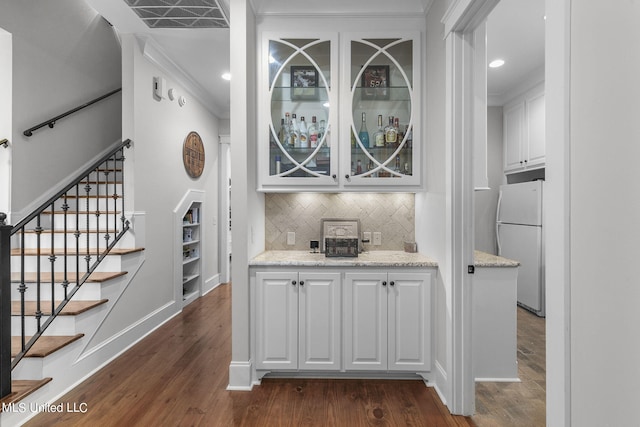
x,y
110,263
88,291
107,219
95,240
63,325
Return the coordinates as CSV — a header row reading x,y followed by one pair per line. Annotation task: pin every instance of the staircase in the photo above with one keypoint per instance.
x,y
69,263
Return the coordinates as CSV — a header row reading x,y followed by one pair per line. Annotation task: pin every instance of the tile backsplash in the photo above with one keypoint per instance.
x,y
392,214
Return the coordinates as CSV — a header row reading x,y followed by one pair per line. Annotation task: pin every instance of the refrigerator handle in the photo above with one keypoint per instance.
x,y
498,222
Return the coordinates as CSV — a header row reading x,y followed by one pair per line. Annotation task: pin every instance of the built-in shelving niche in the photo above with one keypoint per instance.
x,y
188,242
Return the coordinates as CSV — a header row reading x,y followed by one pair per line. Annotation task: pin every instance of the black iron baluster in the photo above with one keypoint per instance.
x,y
125,223
38,272
65,280
97,183
87,189
77,234
115,192
52,259
22,289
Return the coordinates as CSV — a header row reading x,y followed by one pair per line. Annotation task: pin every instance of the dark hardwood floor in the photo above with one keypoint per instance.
x,y
178,375
520,404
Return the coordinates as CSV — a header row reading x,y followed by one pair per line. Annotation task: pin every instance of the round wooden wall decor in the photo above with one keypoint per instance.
x,y
193,155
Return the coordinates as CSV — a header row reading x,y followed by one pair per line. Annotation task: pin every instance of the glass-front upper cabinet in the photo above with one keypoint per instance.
x,y
380,111
298,112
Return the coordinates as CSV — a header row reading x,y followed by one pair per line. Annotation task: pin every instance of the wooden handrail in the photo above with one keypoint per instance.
x,y
51,122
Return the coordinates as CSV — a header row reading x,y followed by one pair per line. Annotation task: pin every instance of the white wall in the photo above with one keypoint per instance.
x,y
486,201
159,182
605,212
6,71
63,56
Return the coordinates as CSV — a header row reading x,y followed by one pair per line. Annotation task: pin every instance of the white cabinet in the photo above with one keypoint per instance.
x,y
315,77
524,132
298,321
387,322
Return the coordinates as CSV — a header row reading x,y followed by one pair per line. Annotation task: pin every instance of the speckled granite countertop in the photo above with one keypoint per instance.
x,y
483,259
367,259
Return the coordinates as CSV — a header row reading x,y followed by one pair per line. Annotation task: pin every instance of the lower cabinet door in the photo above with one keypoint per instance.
x,y
276,320
319,321
409,325
365,321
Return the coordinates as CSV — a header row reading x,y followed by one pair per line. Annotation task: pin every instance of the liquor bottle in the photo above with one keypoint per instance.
x,y
304,133
378,137
397,168
363,134
399,135
390,133
281,133
313,133
359,167
286,137
321,131
295,132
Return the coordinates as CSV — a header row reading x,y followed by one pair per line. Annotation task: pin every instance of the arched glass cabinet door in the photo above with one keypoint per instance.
x,y
383,109
300,118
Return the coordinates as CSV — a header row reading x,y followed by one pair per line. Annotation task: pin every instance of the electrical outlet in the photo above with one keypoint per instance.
x,y
377,238
366,236
291,238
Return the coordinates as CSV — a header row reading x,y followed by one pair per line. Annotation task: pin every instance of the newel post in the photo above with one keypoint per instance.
x,y
5,307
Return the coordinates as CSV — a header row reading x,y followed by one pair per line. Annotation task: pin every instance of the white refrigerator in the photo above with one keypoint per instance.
x,y
519,237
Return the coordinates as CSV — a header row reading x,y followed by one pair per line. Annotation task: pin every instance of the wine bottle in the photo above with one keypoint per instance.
x,y
396,125
363,134
378,137
304,133
359,167
313,133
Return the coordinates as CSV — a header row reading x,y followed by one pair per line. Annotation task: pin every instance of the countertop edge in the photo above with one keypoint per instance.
x,y
370,259
485,260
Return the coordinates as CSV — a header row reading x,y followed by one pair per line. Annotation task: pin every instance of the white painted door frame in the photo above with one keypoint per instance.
x,y
461,21
224,247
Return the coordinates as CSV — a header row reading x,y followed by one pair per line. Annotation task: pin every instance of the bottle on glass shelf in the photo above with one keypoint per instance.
x,y
321,131
378,136
359,167
399,135
304,133
313,133
397,168
295,132
286,133
390,134
363,134
281,136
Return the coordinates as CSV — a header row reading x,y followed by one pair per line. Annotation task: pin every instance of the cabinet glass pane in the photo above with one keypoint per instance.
x,y
299,80
381,85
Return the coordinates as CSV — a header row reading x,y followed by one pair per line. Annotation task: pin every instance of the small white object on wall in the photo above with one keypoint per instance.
x,y
158,87
182,101
172,94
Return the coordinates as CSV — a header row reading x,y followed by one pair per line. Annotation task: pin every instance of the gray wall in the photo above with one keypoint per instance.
x,y
63,56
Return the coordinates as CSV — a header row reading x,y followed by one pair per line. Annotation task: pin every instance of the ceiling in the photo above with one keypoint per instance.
x,y
515,33
203,53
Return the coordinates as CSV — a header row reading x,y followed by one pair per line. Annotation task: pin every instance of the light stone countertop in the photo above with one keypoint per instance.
x,y
483,259
367,259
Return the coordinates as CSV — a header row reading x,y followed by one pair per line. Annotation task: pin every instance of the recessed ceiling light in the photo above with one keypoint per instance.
x,y
226,76
496,63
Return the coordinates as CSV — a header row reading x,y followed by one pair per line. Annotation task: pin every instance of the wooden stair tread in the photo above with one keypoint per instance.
x,y
21,389
60,251
95,277
45,345
72,308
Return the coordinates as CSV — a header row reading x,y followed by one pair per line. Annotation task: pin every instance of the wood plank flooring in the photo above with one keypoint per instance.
x,y
520,404
178,376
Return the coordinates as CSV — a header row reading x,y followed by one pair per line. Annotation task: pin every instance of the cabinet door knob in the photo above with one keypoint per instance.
x,y
384,283
293,282
334,176
347,176
301,282
392,283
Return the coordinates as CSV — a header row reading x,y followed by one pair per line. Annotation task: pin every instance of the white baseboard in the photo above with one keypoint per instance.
x,y
240,376
211,283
